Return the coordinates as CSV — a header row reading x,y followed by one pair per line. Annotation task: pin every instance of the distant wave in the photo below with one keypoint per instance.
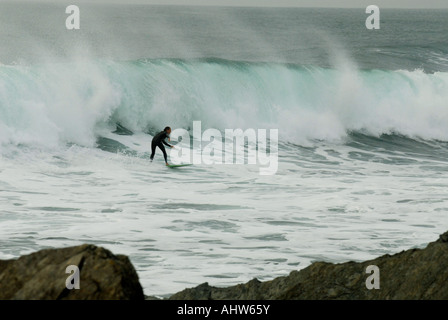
x,y
70,102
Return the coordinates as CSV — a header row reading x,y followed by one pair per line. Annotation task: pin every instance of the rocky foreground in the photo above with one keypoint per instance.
x,y
42,275
411,274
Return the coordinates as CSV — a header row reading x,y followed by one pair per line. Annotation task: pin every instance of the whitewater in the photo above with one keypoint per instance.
x,y
362,151
74,102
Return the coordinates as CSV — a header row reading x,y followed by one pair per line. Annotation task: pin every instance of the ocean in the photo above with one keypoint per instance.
x,y
362,120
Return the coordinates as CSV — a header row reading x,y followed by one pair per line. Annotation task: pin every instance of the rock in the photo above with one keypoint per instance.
x,y
41,275
443,237
411,274
151,298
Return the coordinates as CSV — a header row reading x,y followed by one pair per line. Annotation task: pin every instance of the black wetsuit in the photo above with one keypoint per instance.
x,y
159,141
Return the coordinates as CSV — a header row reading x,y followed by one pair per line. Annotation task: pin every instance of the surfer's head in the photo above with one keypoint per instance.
x,y
167,130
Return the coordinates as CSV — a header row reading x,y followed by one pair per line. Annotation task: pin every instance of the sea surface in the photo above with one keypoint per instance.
x,y
362,120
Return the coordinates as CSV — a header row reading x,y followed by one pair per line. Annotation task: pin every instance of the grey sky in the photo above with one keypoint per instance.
x,y
283,3
310,3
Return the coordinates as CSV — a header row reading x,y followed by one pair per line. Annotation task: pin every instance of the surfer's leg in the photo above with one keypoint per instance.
x,y
162,147
153,150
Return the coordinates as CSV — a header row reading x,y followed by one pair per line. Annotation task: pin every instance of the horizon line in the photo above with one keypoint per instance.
x,y
211,5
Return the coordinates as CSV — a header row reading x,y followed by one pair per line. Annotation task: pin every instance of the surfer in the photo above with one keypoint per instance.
x,y
159,141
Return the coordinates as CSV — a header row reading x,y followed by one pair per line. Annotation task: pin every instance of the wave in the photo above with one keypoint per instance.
x,y
54,104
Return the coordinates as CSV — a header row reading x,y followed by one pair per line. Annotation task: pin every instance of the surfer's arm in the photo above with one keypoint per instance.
x,y
166,143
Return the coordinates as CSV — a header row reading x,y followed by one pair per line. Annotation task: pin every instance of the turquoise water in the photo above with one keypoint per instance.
x,y
362,118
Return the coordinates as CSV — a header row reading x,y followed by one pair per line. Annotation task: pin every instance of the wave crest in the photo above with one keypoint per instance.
x,y
60,103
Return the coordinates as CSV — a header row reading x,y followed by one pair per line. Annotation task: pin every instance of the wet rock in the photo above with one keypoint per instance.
x,y
42,275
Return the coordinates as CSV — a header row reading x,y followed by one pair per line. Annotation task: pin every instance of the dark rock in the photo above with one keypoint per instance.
x,y
41,275
411,274
443,237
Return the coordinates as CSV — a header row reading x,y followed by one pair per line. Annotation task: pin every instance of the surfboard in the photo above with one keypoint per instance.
x,y
179,165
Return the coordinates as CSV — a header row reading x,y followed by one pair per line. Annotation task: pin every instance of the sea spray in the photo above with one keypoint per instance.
x,y
71,103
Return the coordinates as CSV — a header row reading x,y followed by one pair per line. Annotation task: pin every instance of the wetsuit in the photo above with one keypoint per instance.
x,y
159,141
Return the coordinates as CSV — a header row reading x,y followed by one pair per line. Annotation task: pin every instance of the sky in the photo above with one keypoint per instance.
x,y
282,3
311,3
